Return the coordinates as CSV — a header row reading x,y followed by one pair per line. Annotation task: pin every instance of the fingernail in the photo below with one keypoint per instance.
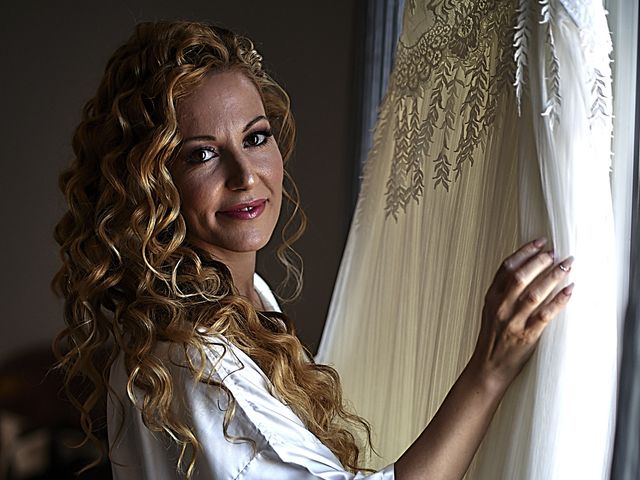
x,y
568,289
565,266
539,242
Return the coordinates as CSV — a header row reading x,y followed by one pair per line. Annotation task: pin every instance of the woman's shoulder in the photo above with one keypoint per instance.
x,y
215,361
214,374
227,436
220,408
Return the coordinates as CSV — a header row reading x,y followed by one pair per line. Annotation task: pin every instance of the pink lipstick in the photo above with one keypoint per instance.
x,y
245,211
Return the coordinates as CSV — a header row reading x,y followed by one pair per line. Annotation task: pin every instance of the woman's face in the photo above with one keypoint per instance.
x,y
229,169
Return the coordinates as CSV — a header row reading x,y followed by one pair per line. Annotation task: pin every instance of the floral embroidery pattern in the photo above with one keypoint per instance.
x,y
552,78
449,81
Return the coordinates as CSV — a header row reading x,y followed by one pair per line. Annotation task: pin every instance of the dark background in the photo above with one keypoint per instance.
x,y
53,55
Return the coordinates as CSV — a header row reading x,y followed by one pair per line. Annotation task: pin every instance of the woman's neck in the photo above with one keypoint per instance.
x,y
242,266
242,274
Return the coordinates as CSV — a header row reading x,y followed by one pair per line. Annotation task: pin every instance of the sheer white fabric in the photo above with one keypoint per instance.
x,y
284,448
566,397
421,253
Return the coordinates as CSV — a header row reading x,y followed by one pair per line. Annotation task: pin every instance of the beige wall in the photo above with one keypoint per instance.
x,y
53,54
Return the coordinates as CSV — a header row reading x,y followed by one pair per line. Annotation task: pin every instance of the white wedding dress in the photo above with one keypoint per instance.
x,y
465,167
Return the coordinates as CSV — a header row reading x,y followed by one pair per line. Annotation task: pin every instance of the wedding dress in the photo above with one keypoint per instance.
x,y
495,129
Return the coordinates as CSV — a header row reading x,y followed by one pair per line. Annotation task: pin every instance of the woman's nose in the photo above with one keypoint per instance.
x,y
240,174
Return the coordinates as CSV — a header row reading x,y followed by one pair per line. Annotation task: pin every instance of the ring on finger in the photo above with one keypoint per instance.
x,y
565,266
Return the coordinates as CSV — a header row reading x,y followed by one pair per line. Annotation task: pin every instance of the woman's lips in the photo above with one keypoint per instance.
x,y
245,211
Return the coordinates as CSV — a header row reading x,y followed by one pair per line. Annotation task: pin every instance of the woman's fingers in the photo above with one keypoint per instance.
x,y
538,322
516,283
513,262
538,290
518,306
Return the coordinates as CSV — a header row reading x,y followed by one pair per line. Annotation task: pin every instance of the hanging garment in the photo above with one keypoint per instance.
x,y
436,214
465,168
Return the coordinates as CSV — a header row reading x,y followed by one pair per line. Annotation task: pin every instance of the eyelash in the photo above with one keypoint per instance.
x,y
266,133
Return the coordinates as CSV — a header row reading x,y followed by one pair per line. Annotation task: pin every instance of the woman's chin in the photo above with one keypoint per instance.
x,y
241,245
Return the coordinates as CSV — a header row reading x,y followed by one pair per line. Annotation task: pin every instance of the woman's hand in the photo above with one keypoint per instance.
x,y
519,304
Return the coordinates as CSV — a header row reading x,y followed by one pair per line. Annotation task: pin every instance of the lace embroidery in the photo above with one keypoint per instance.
x,y
450,81
552,65
588,16
521,39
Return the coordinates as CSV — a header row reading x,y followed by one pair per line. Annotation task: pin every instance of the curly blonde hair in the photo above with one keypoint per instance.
x,y
130,278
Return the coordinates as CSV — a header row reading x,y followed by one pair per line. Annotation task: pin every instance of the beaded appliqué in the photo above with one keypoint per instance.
x,y
450,80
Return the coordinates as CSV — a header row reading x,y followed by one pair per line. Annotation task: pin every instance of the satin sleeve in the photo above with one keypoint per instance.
x,y
284,448
263,439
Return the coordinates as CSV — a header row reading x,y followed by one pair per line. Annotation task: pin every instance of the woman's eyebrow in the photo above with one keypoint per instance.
x,y
254,121
211,138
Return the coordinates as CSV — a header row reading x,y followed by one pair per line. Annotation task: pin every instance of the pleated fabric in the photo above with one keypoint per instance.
x,y
465,167
437,211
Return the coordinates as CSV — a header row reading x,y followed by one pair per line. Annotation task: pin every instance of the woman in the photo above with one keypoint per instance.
x,y
177,183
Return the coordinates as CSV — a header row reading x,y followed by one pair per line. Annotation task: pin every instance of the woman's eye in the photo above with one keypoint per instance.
x,y
257,138
201,155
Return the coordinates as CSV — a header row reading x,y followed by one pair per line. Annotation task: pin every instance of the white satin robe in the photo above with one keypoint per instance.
x,y
285,449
